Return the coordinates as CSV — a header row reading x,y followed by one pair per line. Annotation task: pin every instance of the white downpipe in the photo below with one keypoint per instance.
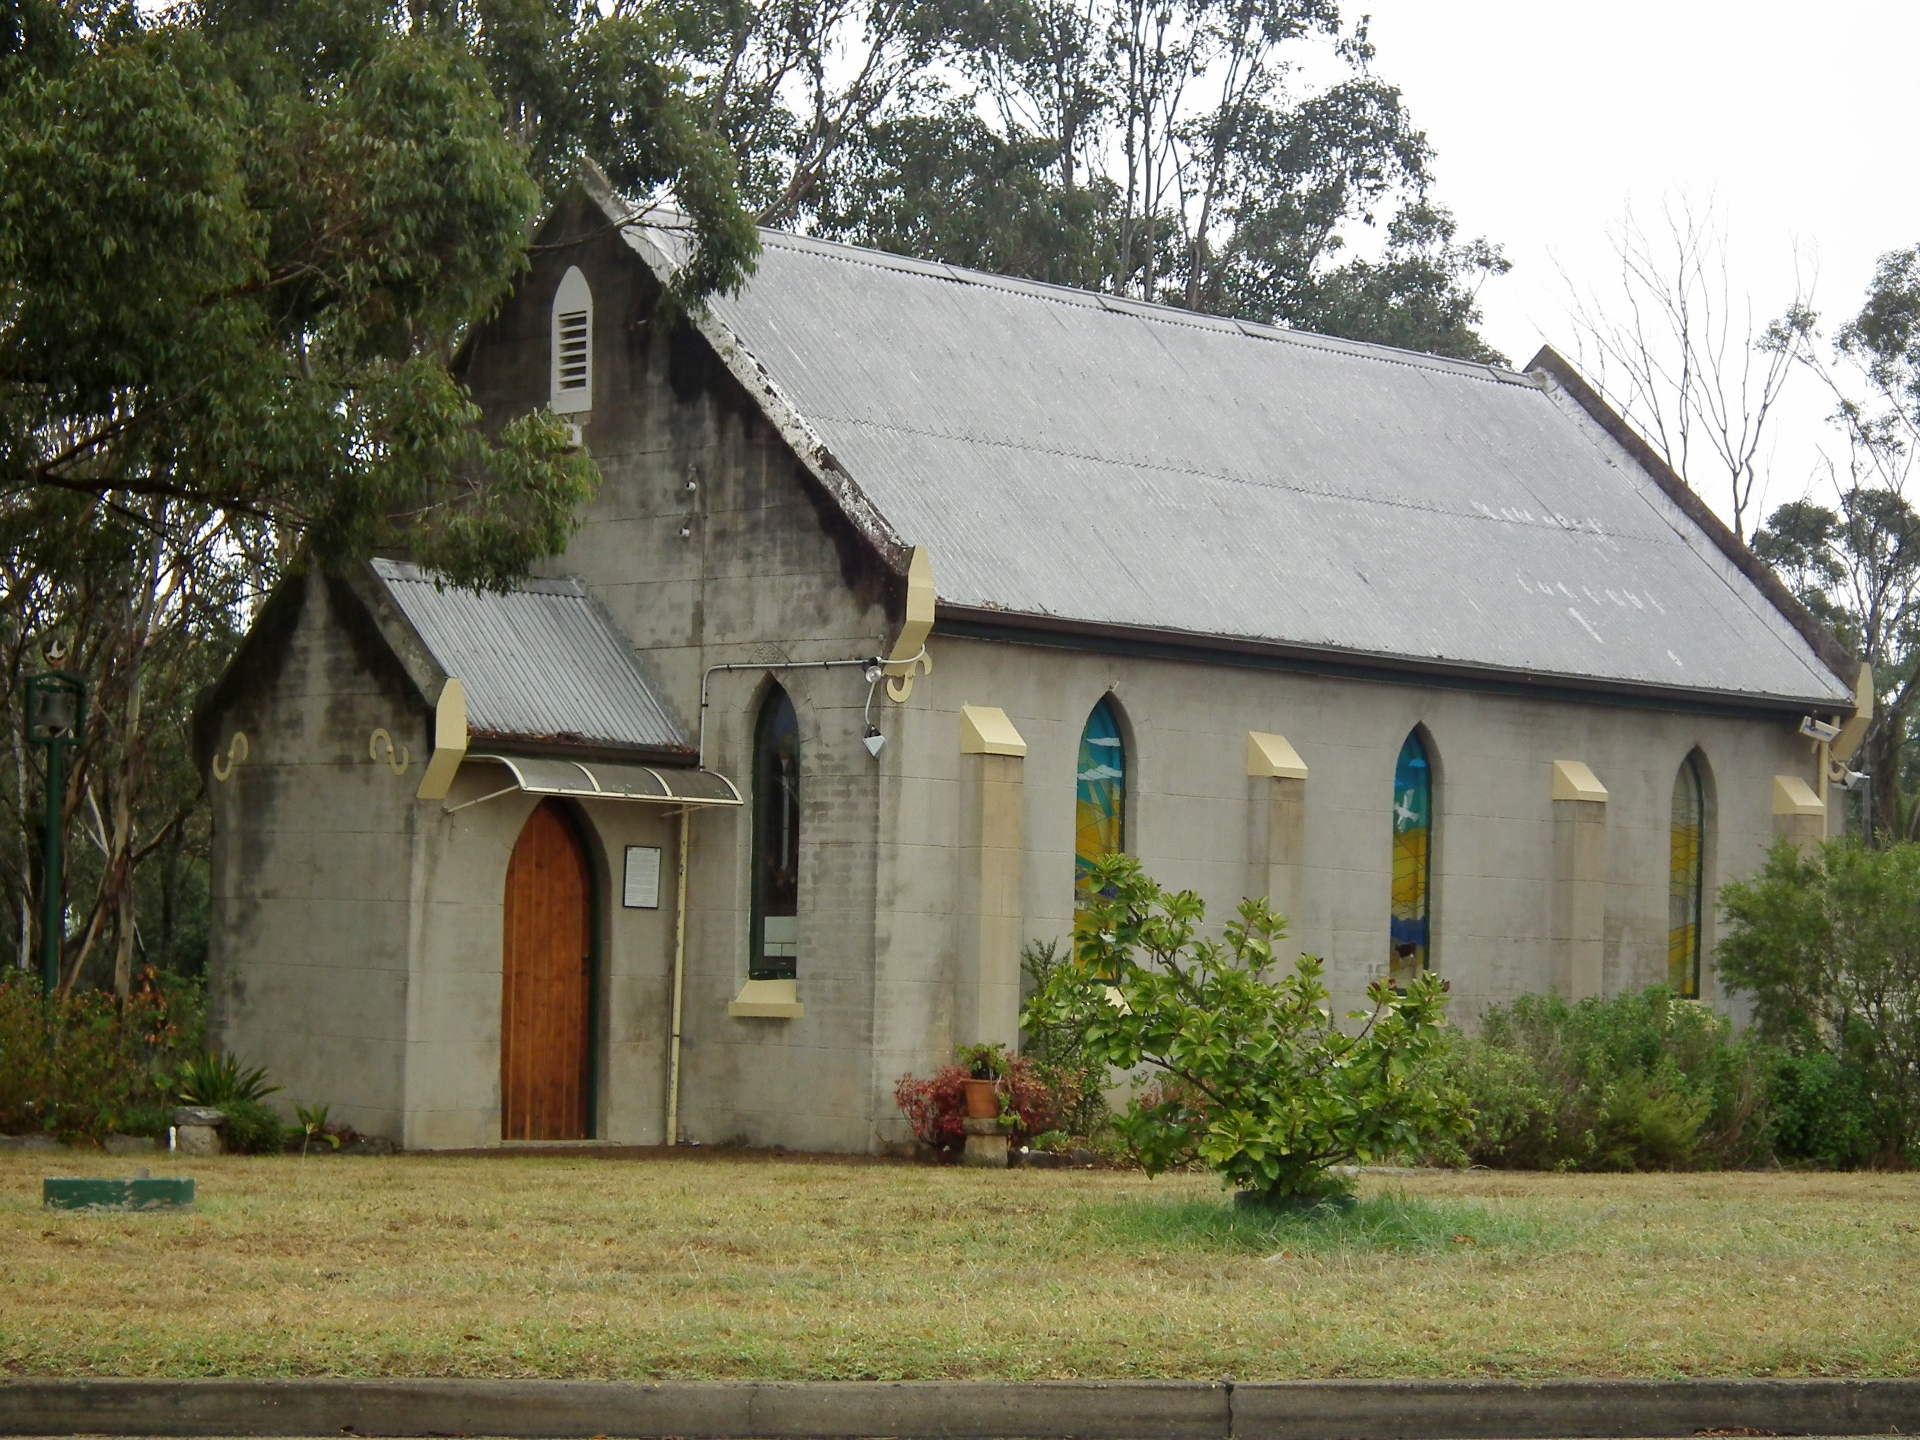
x,y
679,978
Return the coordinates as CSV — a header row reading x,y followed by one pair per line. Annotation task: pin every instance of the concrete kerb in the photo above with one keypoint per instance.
x,y
965,1410
1574,1409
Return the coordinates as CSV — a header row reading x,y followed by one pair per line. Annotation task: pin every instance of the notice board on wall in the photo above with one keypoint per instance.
x,y
642,888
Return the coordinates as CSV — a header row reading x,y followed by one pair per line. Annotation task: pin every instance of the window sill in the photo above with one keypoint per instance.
x,y
768,1000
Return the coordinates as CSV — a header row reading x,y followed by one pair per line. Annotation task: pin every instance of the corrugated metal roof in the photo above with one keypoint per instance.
x,y
541,661
1068,456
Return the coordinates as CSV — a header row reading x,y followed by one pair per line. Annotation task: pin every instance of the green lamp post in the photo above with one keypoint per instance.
x,y
56,718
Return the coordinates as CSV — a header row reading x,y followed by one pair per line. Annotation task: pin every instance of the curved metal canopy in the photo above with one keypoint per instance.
x,y
606,780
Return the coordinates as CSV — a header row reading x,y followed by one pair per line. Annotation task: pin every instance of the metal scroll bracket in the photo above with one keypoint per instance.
x,y
236,755
395,760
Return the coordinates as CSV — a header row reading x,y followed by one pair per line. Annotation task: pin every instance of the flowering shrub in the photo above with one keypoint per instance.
x,y
935,1107
82,1066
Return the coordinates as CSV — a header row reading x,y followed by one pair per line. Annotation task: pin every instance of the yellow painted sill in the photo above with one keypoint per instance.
x,y
768,1000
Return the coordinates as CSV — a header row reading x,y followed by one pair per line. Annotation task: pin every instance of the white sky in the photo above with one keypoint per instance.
x,y
1799,120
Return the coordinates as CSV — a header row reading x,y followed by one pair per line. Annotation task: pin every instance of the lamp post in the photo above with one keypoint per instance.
x,y
56,718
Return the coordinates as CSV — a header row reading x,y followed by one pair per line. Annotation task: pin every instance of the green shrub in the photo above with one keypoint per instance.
x,y
86,1065
1820,1111
151,1121
219,1080
1828,945
1059,1050
253,1128
1255,1078
1641,1082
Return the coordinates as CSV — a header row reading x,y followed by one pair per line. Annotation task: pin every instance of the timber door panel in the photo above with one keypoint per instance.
x,y
546,983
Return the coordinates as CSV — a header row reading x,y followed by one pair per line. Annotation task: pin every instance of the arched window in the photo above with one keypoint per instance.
x,y
1100,797
1412,861
776,841
572,344
1686,879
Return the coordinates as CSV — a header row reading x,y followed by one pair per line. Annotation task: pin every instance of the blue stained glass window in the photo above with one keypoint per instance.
x,y
1100,794
1412,861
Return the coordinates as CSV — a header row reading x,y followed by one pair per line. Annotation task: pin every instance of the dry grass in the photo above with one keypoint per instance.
x,y
736,1267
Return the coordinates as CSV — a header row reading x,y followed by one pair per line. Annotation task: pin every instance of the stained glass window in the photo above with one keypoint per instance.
x,y
1412,861
1686,881
1100,796
776,841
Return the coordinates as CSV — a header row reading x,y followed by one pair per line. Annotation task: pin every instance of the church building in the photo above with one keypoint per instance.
x,y
910,592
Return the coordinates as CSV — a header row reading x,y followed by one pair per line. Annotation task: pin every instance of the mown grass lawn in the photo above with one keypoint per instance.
x,y
740,1267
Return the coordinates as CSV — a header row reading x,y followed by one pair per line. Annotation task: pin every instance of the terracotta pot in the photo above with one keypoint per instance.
x,y
982,1102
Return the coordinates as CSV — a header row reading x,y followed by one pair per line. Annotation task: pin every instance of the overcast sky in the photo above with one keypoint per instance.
x,y
1800,120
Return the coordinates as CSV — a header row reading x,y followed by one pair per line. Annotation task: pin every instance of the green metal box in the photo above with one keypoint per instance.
x,y
163,1193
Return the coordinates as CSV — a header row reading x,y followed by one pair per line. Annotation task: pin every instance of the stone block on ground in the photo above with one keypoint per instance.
x,y
196,1130
986,1144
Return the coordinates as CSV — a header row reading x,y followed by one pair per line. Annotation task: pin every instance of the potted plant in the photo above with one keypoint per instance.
x,y
986,1067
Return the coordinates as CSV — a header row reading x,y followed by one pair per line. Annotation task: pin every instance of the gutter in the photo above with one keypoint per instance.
x,y
1184,646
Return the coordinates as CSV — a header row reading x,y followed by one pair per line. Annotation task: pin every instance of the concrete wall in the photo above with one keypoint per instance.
x,y
1196,823
312,863
709,545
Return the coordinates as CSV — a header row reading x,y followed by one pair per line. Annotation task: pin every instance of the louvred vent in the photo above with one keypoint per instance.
x,y
572,339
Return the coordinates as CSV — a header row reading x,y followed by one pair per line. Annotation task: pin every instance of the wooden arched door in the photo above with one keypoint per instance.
x,y
546,991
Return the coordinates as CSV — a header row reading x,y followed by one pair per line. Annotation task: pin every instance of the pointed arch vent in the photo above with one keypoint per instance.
x,y
573,344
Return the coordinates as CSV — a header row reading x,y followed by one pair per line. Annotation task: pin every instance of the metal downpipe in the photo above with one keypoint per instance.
x,y
679,977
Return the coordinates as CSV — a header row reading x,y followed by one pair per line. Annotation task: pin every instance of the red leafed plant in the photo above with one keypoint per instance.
x,y
934,1108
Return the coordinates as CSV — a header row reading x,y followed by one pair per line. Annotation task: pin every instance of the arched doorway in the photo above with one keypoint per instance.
x,y
546,990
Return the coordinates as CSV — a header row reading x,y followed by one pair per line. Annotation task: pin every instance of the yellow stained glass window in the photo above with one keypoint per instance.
x,y
1686,881
1100,796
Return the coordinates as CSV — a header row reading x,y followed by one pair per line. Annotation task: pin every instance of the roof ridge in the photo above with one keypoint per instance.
x,y
1057,293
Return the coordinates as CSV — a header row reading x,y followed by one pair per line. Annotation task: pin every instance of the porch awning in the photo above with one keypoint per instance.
x,y
606,780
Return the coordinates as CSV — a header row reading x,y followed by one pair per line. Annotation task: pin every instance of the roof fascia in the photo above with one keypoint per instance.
x,y
1835,656
560,747
1012,628
780,412
428,678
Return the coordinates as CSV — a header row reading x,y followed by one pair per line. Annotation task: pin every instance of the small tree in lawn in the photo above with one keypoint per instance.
x,y
1253,1075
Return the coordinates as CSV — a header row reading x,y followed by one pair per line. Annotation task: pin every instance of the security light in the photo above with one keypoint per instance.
x,y
1819,729
874,741
1856,779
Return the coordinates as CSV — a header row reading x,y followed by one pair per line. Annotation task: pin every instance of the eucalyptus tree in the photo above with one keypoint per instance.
x,y
240,246
1223,155
1857,562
